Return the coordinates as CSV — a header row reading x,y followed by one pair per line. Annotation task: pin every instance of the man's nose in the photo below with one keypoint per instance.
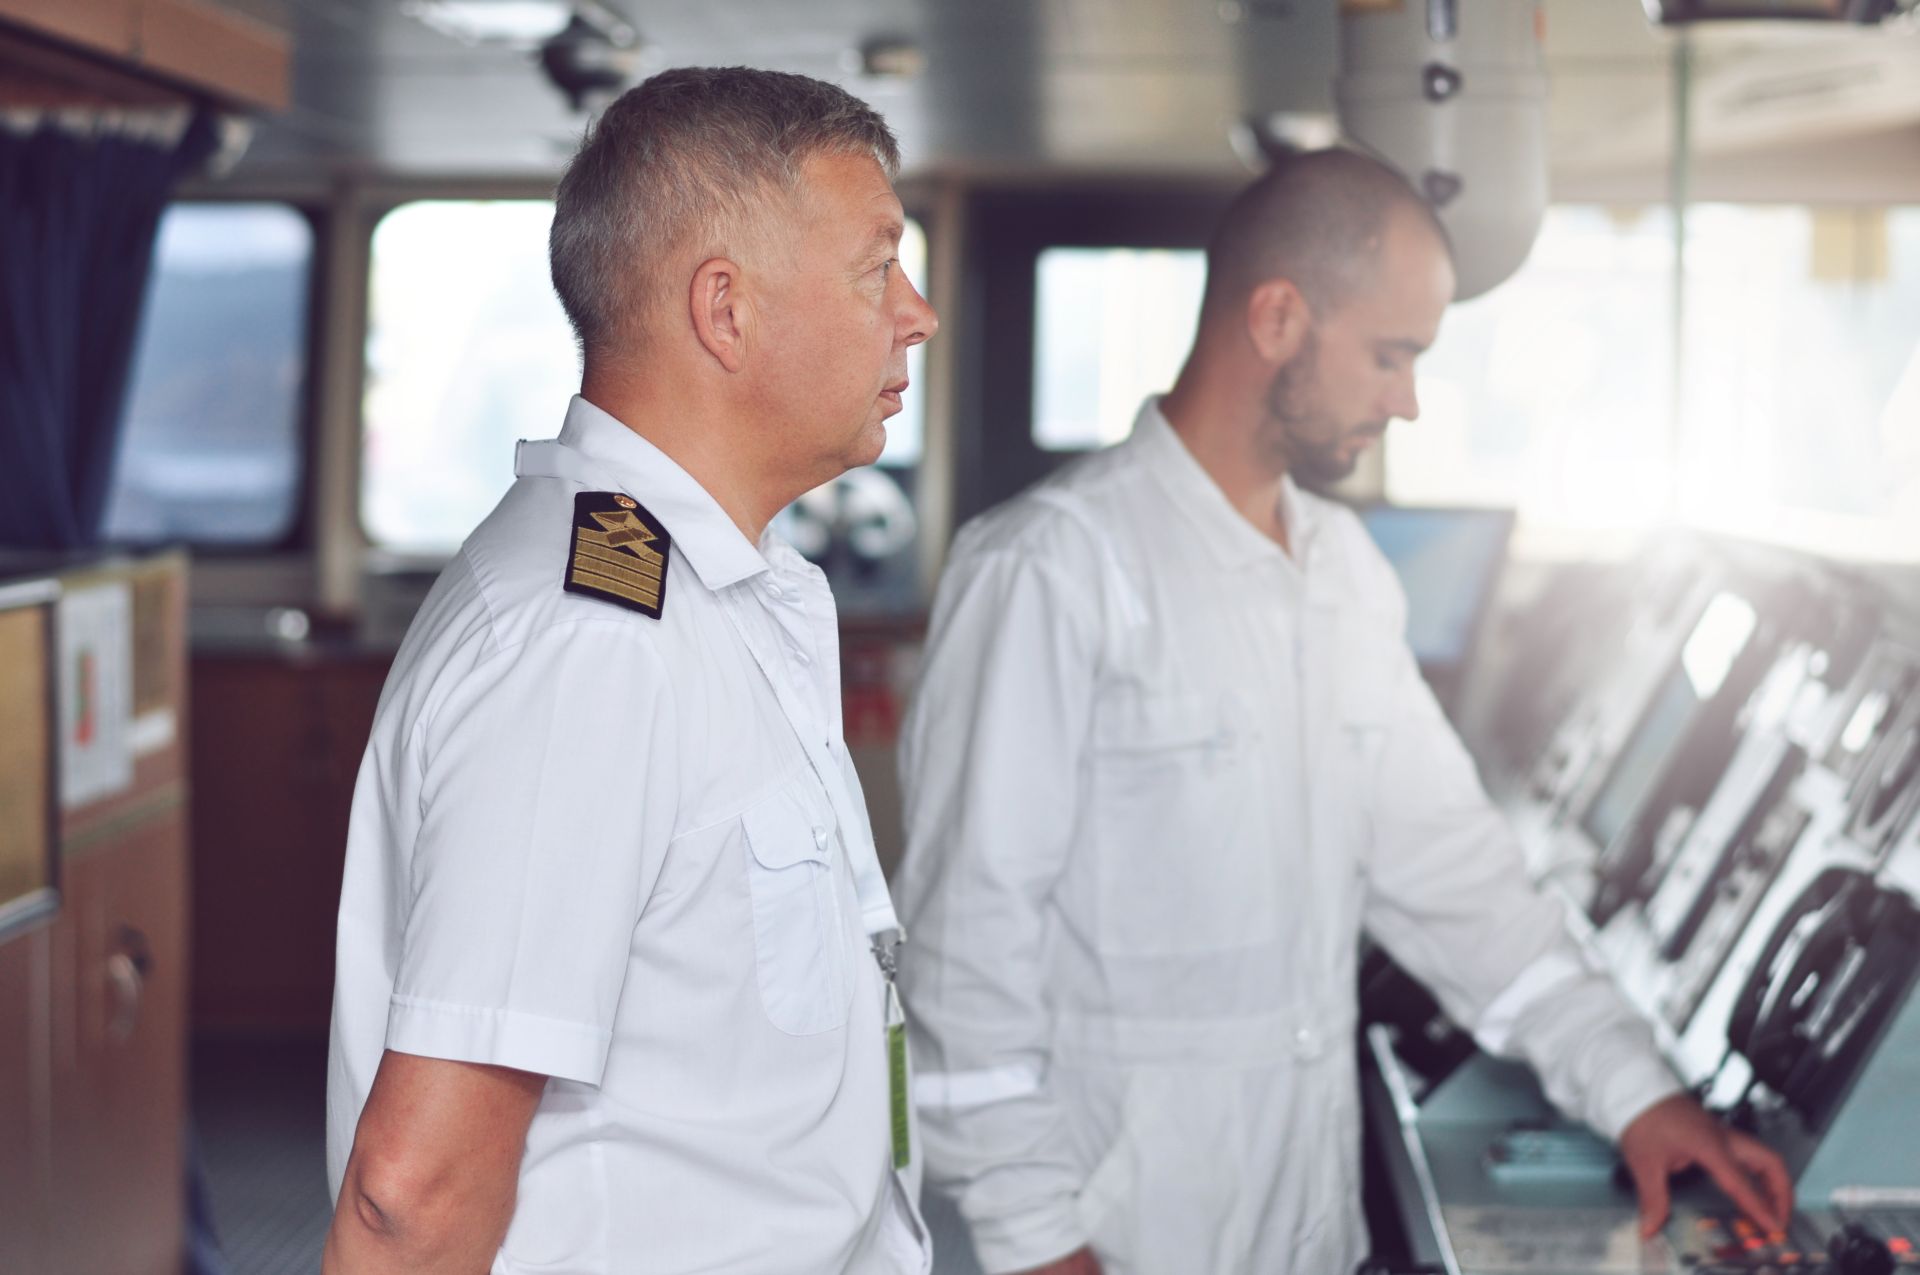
x,y
919,318
1405,403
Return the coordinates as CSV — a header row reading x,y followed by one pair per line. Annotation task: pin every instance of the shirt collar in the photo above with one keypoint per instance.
x,y
595,448
1225,531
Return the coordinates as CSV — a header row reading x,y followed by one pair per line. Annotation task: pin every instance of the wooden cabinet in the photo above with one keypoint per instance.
x,y
93,1081
25,1008
277,744
119,1079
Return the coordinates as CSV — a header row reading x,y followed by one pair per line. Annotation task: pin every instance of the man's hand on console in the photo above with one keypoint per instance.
x,y
1676,1133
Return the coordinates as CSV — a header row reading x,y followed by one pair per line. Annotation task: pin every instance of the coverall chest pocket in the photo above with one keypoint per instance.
x,y
1364,716
1182,866
799,934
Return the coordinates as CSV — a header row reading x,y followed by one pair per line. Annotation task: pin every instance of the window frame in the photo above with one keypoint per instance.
x,y
1008,228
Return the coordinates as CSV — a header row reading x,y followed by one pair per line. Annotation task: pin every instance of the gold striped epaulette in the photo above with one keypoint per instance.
x,y
619,552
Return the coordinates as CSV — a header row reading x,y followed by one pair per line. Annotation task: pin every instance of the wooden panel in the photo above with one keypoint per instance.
x,y
276,747
157,642
104,26
159,635
204,46
26,761
189,43
119,1056
24,1009
35,75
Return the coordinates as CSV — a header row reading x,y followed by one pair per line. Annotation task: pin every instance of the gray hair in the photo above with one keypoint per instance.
x,y
687,159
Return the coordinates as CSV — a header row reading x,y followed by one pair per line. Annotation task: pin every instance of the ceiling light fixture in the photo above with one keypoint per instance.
x,y
520,24
892,58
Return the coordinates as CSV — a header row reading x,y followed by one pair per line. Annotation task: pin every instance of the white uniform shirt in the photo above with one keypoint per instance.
x,y
631,853
1159,775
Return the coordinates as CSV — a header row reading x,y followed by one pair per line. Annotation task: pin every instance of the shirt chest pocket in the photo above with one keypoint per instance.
x,y
1183,861
800,941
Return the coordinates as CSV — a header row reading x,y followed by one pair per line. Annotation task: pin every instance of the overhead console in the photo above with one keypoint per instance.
x,y
1728,796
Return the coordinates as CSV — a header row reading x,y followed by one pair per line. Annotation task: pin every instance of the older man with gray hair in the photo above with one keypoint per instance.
x,y
613,989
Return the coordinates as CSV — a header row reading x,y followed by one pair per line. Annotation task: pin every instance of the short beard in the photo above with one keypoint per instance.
x,y
1299,436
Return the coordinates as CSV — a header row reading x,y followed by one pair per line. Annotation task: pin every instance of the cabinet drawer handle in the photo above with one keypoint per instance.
x,y
127,969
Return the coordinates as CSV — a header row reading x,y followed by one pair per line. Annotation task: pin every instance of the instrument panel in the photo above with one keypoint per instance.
x,y
1734,806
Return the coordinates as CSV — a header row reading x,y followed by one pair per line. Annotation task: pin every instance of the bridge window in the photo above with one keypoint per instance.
x,y
1111,326
468,350
212,452
1553,392
1797,414
1801,388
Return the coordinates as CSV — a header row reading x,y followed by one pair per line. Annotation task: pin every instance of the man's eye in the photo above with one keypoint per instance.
x,y
886,267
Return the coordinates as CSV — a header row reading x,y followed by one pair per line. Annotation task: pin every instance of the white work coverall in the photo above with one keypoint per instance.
x,y
1159,776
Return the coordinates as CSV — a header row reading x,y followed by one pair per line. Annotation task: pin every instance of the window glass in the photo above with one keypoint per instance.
x,y
906,430
1552,393
468,350
1111,326
212,450
1797,417
1802,385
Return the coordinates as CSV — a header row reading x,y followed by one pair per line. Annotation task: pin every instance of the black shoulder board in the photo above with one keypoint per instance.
x,y
619,552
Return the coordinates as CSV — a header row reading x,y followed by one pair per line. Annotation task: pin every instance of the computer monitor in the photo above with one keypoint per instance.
x,y
1646,756
1448,561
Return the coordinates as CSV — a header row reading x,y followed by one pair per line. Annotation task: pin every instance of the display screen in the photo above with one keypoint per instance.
x,y
1448,561
1716,642
1643,759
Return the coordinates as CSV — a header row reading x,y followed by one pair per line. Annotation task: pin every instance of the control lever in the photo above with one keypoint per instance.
x,y
1854,1250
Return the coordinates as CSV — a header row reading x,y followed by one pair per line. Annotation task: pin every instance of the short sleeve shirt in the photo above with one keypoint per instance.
x,y
628,850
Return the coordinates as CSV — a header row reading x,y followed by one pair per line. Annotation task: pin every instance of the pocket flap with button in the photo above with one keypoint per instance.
x,y
800,938
1154,723
787,829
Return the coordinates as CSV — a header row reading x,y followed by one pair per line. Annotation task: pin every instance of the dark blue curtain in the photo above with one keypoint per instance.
x,y
77,221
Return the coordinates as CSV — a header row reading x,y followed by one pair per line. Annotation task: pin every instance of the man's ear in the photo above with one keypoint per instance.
x,y
1278,319
722,317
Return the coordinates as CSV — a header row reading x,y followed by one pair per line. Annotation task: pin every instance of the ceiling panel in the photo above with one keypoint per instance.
x,y
1009,85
